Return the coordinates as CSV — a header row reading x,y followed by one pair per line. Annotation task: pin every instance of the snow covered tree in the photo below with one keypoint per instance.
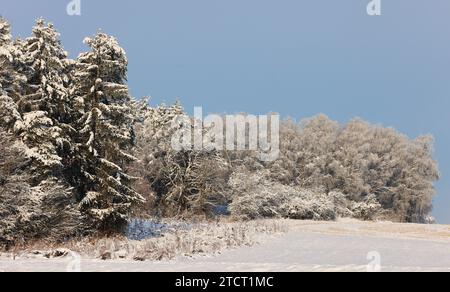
x,y
286,169
28,210
371,165
69,135
48,79
414,175
44,102
5,32
183,183
11,80
381,162
307,154
102,116
41,137
6,55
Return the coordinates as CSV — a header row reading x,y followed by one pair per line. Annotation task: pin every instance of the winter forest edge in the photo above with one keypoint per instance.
x,y
80,156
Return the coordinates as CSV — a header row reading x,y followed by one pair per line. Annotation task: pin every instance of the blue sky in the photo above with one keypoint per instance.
x,y
295,57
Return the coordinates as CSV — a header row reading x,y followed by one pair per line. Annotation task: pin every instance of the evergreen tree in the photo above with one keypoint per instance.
x,y
28,210
104,125
49,67
44,105
6,57
11,81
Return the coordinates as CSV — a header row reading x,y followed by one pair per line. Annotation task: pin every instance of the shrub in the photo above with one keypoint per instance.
x,y
309,205
367,209
254,196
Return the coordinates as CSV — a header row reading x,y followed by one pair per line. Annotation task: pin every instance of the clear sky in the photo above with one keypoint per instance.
x,y
295,57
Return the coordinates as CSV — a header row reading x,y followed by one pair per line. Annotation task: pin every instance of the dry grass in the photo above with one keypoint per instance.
x,y
204,238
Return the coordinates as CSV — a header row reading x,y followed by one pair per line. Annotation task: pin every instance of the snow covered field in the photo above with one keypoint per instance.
x,y
346,245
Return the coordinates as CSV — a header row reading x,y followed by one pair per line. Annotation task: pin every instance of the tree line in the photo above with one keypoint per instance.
x,y
80,155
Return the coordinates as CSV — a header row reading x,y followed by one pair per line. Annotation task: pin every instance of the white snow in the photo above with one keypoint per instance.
x,y
308,246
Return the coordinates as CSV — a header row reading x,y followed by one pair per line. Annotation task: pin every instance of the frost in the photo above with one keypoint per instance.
x,y
90,198
4,52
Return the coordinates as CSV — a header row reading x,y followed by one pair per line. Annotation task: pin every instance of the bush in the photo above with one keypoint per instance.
x,y
254,196
309,205
366,210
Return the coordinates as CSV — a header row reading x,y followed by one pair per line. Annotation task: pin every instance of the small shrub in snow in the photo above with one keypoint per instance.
x,y
429,220
255,196
309,205
366,210
342,204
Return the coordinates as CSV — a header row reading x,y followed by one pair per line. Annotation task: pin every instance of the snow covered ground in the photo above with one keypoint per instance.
x,y
346,245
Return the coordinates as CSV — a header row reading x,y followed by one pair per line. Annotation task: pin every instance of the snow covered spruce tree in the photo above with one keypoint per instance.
x,y
104,124
44,104
11,80
36,202
49,72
